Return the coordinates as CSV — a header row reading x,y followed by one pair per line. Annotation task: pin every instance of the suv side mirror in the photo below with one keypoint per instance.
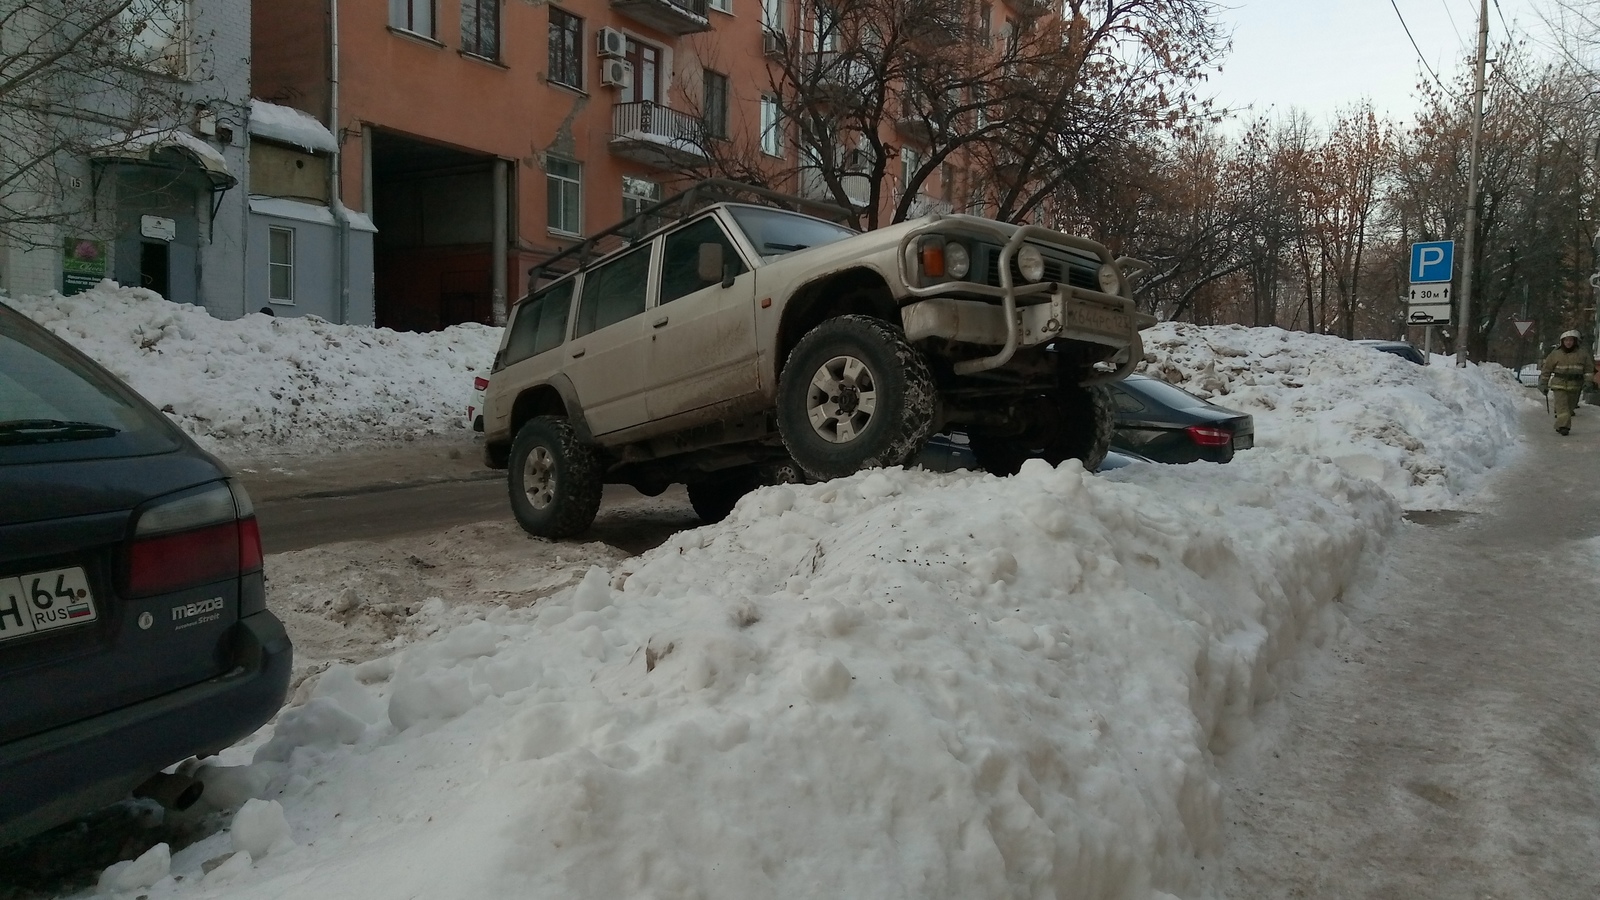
x,y
710,267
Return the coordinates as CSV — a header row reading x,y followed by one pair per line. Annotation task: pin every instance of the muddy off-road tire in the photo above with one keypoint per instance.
x,y
1077,426
854,395
554,478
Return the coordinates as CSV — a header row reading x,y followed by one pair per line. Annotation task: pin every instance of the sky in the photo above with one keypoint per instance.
x,y
1322,55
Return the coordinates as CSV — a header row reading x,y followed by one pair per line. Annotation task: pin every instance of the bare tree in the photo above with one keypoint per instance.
x,y
899,106
81,77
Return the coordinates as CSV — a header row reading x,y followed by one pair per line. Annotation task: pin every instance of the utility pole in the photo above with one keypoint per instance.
x,y
1472,185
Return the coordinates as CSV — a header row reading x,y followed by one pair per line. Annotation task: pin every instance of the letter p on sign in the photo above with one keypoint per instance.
x,y
1433,261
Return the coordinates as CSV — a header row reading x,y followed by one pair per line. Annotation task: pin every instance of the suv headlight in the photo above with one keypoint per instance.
x,y
1110,278
957,261
1030,262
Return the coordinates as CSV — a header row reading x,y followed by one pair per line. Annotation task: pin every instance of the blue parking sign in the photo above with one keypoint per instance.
x,y
1432,261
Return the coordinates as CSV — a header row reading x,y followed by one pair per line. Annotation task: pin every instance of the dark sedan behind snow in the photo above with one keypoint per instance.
x,y
134,631
1168,424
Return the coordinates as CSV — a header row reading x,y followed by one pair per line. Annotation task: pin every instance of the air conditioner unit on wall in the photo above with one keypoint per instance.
x,y
611,43
774,43
616,73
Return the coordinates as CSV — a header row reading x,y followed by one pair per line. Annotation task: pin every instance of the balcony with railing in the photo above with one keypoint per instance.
x,y
656,135
678,17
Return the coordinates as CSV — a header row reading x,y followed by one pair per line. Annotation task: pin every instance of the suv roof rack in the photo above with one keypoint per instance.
x,y
670,211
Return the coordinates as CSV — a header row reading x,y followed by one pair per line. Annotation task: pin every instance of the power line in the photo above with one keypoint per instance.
x,y
1420,57
1501,13
1452,19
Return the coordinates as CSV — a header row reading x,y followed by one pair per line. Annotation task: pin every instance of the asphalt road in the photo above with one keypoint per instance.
x,y
387,511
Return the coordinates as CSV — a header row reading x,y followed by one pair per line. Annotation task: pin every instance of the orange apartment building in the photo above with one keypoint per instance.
x,y
481,136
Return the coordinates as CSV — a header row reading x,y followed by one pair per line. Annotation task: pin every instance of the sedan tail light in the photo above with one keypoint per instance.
x,y
196,539
1207,436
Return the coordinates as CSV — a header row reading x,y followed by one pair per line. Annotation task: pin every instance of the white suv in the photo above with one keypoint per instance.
x,y
743,344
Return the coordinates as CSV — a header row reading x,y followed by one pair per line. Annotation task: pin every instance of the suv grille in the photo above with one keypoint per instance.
x,y
1059,266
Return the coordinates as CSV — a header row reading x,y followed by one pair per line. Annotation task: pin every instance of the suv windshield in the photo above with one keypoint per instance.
x,y
53,407
775,232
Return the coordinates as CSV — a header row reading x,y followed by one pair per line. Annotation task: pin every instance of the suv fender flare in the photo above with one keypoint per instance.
x,y
562,385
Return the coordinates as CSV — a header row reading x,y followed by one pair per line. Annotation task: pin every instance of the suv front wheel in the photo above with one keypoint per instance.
x,y
554,479
855,394
1077,423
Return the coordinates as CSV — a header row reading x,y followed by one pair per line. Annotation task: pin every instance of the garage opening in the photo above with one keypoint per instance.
x,y
435,210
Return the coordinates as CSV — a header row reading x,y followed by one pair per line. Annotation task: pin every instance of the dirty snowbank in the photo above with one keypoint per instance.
x,y
260,384
898,684
1426,433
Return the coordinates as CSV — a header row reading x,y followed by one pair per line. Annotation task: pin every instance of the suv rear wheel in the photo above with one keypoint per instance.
x,y
554,479
855,394
1076,424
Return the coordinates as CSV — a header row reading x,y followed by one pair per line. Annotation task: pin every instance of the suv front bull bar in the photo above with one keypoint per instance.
x,y
1067,312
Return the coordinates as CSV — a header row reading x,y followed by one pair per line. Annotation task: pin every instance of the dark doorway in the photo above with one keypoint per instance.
x,y
155,268
434,254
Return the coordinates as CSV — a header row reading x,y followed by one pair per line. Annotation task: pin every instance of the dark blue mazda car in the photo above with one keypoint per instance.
x,y
134,631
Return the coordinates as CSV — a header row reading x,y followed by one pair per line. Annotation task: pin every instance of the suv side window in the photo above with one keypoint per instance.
x,y
541,323
615,291
680,265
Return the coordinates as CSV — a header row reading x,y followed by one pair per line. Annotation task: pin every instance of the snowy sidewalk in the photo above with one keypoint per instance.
x,y
1448,748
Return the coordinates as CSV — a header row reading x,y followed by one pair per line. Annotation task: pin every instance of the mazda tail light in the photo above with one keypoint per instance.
x,y
1207,436
199,538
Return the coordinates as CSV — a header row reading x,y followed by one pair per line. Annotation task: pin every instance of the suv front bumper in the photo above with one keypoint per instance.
x,y
55,776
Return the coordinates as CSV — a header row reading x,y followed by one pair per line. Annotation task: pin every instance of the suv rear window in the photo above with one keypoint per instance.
x,y
54,407
541,323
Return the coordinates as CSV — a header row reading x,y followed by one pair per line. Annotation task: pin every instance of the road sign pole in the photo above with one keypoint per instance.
x,y
1472,186
1427,342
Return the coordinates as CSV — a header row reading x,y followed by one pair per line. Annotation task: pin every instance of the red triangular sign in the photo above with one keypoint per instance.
x,y
1523,327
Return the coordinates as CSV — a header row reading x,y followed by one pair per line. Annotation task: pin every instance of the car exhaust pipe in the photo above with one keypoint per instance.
x,y
174,792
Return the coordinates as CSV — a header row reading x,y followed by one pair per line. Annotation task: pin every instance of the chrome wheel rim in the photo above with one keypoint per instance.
x,y
539,478
842,399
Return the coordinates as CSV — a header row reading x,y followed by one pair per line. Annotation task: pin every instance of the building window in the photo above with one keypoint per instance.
x,y
566,48
716,104
985,16
415,16
772,16
910,162
280,265
156,34
721,5
825,28
480,28
637,193
564,181
771,126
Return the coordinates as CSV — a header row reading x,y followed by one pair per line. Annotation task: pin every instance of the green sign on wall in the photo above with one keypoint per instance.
x,y
83,264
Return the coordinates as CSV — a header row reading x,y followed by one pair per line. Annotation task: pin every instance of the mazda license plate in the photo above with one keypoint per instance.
x,y
44,601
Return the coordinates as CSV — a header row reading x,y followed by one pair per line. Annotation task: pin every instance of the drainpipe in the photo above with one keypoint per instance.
x,y
335,177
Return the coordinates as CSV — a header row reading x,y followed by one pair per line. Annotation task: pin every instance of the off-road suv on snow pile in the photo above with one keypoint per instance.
x,y
748,343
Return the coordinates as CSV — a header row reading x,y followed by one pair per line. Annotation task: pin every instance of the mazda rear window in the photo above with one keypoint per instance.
x,y
54,407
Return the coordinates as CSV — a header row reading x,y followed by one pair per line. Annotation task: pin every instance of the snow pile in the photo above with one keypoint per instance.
x,y
897,684
1426,433
264,384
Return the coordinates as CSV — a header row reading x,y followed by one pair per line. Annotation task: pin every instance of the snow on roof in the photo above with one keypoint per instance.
x,y
125,144
288,125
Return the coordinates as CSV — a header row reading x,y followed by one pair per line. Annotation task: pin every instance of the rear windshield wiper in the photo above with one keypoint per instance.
x,y
45,431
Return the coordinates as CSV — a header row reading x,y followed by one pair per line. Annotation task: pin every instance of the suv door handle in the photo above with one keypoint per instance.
x,y
578,352
659,322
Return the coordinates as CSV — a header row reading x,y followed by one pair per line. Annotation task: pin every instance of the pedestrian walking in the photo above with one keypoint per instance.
x,y
1561,378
